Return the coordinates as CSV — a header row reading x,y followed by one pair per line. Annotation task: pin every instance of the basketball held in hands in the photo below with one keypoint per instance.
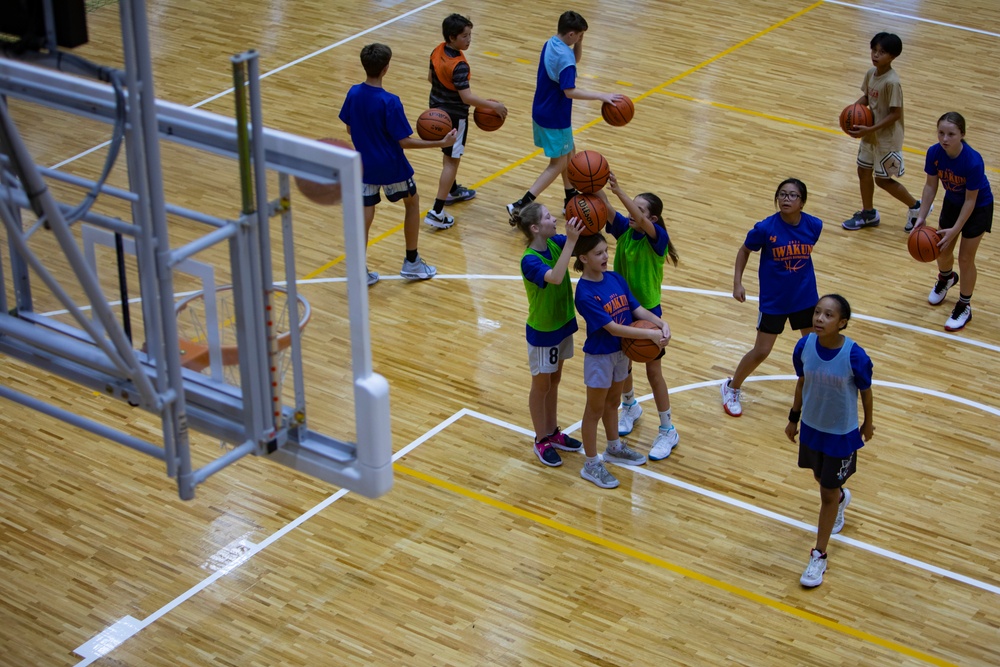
x,y
433,125
641,350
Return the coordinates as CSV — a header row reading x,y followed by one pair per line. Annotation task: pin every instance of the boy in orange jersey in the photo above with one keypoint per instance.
x,y
451,92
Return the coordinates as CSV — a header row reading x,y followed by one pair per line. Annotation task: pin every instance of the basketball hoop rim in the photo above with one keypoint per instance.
x,y
230,356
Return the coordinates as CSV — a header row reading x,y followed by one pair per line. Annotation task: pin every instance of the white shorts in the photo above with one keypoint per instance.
x,y
884,164
600,371
547,359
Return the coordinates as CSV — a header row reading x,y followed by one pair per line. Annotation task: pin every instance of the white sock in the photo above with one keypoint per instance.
x,y
614,444
665,420
593,460
628,398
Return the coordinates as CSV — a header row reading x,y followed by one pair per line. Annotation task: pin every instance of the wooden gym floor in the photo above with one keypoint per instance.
x,y
479,555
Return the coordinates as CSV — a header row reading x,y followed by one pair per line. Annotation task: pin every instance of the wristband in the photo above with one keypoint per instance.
x,y
794,416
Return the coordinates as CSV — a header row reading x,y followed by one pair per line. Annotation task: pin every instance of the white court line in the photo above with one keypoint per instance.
x,y
871,548
108,639
666,288
274,71
128,626
913,18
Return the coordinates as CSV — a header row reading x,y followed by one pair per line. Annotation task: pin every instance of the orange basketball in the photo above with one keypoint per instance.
x,y
487,119
588,171
322,193
590,209
619,113
923,244
433,125
856,114
641,350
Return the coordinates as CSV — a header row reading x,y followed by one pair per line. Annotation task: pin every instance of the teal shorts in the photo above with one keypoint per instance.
x,y
555,143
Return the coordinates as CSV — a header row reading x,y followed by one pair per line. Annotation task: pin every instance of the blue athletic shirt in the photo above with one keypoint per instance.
x,y
966,172
377,123
556,72
832,444
534,270
786,272
600,303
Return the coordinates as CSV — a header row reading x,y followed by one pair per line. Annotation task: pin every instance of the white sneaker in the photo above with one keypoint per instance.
x,y
599,475
664,443
628,416
940,289
838,525
960,316
911,216
731,399
373,277
624,455
439,220
813,576
418,270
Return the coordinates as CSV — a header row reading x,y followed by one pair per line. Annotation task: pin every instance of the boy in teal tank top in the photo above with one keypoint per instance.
x,y
640,251
551,323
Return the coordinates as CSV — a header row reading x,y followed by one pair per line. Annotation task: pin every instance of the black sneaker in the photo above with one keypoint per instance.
x,y
568,197
547,454
861,219
562,441
513,210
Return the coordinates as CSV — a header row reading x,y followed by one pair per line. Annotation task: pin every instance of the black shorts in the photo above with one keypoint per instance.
x,y
831,471
460,123
979,222
775,324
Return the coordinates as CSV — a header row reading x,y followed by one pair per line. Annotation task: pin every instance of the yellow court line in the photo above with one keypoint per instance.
x,y
677,569
592,123
781,119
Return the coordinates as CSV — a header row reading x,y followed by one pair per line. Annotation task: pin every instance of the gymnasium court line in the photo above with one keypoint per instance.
x,y
951,337
276,70
781,119
128,627
527,158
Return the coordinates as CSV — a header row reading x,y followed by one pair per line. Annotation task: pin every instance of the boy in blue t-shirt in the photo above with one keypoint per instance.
x,y
552,108
380,131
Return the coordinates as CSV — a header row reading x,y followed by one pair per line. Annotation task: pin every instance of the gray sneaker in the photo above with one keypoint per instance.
x,y
373,277
861,219
418,270
599,475
624,455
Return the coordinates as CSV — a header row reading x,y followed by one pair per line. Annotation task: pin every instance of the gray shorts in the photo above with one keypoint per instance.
x,y
547,359
600,371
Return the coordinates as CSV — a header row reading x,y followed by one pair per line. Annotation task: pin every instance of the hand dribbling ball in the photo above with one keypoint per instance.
x,y
325,194
487,119
641,350
856,114
619,113
588,171
433,125
923,244
590,210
